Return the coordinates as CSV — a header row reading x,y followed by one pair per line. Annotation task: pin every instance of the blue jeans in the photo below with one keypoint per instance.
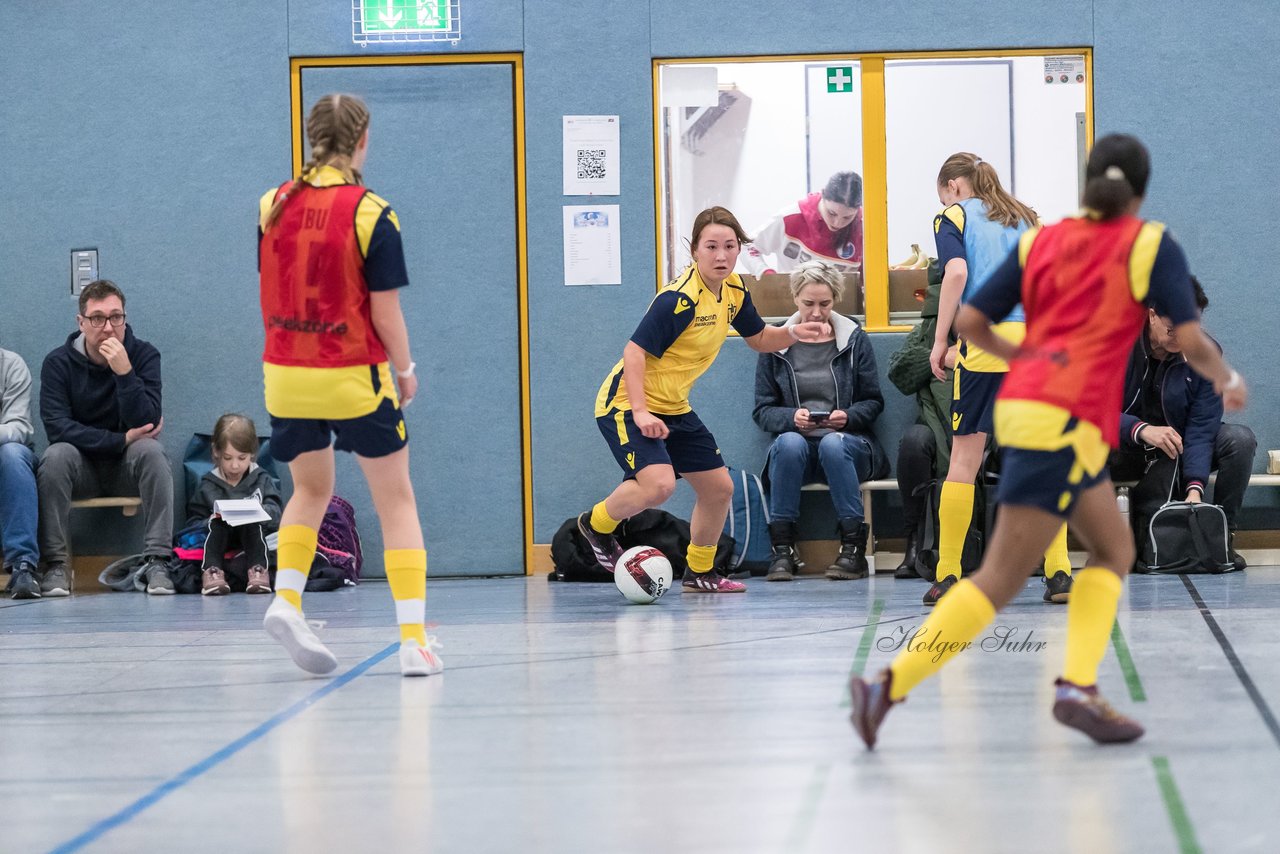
x,y
18,504
841,460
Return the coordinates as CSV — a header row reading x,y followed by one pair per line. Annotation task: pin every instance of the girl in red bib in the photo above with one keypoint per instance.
x,y
331,266
1085,284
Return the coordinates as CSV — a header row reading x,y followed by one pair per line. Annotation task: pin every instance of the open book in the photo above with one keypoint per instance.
x,y
240,511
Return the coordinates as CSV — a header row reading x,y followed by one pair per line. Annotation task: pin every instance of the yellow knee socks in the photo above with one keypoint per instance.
x,y
295,549
407,575
1055,557
601,521
1091,613
956,620
700,558
955,514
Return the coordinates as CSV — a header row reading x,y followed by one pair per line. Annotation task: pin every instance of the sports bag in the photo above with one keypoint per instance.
x,y
1187,537
748,523
574,560
928,527
338,539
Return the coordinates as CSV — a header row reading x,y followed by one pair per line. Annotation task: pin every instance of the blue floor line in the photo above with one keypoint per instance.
x,y
214,759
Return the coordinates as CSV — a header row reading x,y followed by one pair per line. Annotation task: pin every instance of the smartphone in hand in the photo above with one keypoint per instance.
x,y
819,416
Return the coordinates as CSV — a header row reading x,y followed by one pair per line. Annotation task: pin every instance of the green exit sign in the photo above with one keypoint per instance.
x,y
405,20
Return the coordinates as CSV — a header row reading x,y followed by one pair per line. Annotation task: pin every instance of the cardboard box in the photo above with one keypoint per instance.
x,y
771,294
903,288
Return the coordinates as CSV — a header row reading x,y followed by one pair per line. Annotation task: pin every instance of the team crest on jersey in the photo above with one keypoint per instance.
x,y
631,461
683,304
845,251
733,311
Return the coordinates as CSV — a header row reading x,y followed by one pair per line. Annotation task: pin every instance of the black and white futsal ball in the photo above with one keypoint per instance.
x,y
643,574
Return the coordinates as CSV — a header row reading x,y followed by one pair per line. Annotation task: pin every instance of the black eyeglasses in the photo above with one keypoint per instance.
x,y
97,321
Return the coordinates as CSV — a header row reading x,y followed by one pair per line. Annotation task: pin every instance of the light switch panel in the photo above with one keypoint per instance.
x,y
84,269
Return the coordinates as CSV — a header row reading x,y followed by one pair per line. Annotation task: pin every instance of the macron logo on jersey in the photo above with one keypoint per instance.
x,y
683,304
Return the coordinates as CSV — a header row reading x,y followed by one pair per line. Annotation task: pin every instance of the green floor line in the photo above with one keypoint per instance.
x,y
802,826
1126,664
864,645
1182,828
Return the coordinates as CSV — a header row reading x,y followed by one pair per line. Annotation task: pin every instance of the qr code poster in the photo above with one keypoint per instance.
x,y
591,156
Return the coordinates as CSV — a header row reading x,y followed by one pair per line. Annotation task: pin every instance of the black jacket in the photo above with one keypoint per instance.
x,y
89,406
857,388
256,483
1189,403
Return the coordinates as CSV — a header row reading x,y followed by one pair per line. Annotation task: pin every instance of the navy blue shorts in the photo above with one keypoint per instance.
x,y
973,401
378,434
689,446
1044,479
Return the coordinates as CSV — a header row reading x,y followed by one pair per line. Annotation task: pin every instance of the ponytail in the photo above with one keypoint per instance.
x,y
1116,174
985,181
334,128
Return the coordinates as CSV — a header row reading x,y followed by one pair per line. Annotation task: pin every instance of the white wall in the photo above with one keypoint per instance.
x,y
752,160
1046,159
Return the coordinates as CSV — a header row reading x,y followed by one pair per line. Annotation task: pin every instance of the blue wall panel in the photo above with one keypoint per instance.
x,y
154,146
757,27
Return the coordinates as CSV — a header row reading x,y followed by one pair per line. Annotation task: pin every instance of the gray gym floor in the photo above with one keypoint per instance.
x,y
570,721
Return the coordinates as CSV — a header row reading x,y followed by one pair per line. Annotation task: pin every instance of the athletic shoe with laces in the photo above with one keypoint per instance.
x,y
56,581
938,589
259,580
23,584
604,546
287,625
156,572
1083,708
213,582
419,660
1058,588
710,582
870,702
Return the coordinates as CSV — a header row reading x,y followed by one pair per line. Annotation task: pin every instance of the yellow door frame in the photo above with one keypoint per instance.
x,y
516,61
875,235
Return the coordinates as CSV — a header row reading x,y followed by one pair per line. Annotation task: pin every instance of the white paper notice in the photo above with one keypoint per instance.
x,y
591,156
592,249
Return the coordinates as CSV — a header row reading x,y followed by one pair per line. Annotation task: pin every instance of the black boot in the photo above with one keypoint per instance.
x,y
907,569
782,563
852,561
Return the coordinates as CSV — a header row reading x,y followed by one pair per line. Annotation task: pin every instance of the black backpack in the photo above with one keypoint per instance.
x,y
574,560
974,539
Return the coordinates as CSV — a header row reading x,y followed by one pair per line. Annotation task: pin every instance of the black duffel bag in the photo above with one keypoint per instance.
x,y
1187,537
668,534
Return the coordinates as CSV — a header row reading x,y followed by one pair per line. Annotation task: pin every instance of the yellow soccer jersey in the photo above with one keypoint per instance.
x,y
681,335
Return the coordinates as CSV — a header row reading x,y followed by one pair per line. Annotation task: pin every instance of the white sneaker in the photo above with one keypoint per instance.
x,y
419,660
285,624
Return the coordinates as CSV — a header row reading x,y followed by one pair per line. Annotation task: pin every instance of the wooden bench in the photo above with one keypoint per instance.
x,y
128,505
867,488
892,484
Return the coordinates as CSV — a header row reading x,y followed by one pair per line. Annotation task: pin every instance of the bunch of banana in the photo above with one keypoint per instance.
x,y
919,260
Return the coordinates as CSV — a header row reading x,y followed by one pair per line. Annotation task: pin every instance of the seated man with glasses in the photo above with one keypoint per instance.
x,y
100,404
1172,427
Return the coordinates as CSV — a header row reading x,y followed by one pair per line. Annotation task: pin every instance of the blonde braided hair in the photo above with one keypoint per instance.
x,y
334,128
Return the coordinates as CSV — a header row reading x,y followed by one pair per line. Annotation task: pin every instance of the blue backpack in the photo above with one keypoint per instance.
x,y
748,523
